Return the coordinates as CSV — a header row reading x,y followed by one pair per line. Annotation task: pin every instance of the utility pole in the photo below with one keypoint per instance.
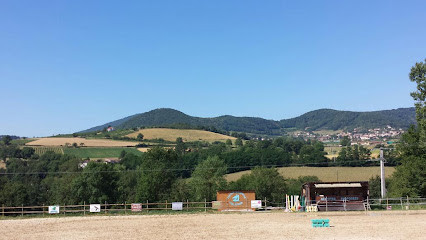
x,y
382,174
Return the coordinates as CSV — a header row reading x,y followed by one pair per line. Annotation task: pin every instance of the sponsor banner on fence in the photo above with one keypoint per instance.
x,y
136,207
53,209
177,206
95,207
256,203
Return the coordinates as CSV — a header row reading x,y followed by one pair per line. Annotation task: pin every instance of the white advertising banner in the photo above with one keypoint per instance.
x,y
95,207
256,203
177,206
53,209
136,207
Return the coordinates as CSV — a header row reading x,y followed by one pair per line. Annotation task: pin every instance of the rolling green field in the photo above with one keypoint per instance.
x,y
22,141
89,152
325,174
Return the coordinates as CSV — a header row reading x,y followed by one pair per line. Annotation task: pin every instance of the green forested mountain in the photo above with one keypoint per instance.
x,y
338,120
322,119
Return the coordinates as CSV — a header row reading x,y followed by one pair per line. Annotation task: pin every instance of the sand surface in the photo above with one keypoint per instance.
x,y
258,225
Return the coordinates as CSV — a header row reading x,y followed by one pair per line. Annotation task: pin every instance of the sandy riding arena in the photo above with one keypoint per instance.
x,y
259,225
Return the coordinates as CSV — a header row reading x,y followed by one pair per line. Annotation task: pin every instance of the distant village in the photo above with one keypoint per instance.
x,y
357,136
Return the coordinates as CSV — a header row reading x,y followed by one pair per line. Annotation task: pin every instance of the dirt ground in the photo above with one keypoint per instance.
x,y
259,225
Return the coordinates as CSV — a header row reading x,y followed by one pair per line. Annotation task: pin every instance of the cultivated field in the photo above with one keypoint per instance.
x,y
326,174
42,150
106,152
57,141
188,135
257,225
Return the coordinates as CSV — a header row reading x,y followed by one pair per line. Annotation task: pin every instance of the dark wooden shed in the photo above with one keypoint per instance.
x,y
335,196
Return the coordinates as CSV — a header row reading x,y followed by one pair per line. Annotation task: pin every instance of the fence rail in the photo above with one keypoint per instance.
x,y
404,203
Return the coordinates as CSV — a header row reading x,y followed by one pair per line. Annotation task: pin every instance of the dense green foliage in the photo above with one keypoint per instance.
x,y
338,120
193,172
410,177
315,120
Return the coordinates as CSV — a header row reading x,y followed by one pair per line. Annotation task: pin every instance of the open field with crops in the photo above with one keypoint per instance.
x,y
254,225
188,135
57,141
325,174
89,152
42,150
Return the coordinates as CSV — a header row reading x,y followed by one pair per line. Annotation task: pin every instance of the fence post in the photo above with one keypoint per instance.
x,y
326,204
402,208
2,210
84,208
125,208
387,203
22,213
408,204
344,203
64,209
166,205
265,202
42,209
187,205
205,204
147,206
105,209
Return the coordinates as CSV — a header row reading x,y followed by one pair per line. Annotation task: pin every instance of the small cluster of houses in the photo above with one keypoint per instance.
x,y
357,135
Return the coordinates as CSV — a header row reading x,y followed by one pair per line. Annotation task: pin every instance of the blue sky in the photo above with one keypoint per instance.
x,y
66,66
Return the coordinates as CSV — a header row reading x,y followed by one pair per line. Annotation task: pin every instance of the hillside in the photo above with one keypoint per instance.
x,y
328,119
322,119
188,135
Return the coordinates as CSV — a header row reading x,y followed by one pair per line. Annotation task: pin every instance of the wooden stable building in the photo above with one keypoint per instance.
x,y
335,196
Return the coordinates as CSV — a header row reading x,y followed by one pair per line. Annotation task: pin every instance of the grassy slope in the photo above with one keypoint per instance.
x,y
188,135
110,152
326,174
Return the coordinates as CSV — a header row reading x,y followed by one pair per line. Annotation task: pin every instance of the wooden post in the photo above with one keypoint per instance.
x,y
105,207
22,213
147,206
205,204
84,208
166,205
187,204
42,209
64,209
326,204
125,208
2,210
344,203
408,204
402,208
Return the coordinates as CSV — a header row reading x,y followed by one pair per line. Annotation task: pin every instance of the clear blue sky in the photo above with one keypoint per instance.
x,y
66,66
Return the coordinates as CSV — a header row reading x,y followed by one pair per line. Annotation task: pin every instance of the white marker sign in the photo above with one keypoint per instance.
x,y
256,203
53,209
177,206
95,207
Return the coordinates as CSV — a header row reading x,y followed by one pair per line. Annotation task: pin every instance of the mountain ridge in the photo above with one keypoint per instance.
x,y
321,119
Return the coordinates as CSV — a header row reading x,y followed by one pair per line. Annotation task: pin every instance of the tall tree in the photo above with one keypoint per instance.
x,y
208,178
410,177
